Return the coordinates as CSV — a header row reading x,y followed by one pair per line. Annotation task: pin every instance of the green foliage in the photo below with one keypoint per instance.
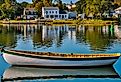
x,y
60,4
7,37
93,7
47,3
1,1
24,4
7,9
95,38
38,7
38,4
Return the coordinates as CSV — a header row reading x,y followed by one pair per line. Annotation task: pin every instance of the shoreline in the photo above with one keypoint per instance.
x,y
53,22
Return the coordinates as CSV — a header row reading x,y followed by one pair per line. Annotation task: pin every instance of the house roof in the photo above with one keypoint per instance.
x,y
29,8
50,8
118,9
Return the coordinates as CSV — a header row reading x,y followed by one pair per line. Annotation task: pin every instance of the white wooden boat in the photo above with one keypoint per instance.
x,y
48,59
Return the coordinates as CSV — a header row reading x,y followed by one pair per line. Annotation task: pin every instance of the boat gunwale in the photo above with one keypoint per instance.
x,y
85,57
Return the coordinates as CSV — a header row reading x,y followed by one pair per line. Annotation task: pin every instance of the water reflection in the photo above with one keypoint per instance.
x,y
99,38
65,38
25,73
7,37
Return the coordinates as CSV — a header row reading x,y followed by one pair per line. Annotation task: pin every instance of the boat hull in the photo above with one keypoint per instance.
x,y
30,61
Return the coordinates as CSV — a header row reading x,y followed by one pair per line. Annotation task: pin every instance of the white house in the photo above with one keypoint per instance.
x,y
30,13
117,11
72,15
53,13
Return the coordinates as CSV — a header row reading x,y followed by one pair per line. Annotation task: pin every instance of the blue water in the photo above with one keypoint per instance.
x,y
79,80
117,66
66,39
4,66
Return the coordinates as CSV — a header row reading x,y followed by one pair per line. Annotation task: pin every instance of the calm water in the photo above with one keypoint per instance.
x,y
67,39
64,38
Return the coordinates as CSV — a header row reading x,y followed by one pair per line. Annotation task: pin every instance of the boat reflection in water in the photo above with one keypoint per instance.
x,y
24,73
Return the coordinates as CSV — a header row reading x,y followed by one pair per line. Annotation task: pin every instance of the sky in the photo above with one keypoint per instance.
x,y
64,1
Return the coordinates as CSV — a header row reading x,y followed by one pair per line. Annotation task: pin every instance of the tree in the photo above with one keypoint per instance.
x,y
1,1
105,6
8,9
24,4
7,37
47,3
20,7
60,4
35,2
38,4
38,7
93,7
80,6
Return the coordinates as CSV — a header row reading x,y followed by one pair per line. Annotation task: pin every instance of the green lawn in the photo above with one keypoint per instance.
x,y
95,22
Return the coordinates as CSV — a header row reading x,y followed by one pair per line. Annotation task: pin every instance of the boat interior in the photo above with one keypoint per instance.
x,y
63,55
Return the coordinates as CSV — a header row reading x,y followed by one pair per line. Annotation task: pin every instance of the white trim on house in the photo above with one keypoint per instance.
x,y
53,13
30,13
118,10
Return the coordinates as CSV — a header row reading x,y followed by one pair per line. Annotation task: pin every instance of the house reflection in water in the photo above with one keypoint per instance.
x,y
96,38
50,35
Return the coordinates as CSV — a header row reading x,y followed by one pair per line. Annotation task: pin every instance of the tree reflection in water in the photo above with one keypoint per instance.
x,y
96,38
7,37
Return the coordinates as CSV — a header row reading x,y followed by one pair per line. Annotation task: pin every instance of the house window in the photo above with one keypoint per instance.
x,y
56,12
30,13
35,13
26,13
62,16
47,16
46,12
56,16
51,16
52,11
59,16
65,16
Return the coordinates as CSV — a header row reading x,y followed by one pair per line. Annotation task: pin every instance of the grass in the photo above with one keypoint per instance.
x,y
91,21
64,21
17,21
95,22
